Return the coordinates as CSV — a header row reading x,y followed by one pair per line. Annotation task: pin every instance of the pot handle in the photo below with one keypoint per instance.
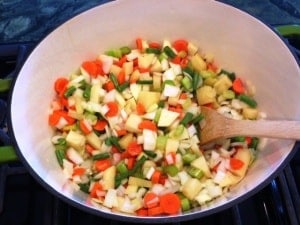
x,y
291,33
7,152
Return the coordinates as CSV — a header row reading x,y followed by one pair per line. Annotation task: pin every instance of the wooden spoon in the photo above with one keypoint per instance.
x,y
218,126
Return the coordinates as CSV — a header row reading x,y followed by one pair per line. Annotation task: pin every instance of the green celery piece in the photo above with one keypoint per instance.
x,y
161,142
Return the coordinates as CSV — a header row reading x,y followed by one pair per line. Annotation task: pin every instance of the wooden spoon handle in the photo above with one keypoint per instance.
x,y
265,128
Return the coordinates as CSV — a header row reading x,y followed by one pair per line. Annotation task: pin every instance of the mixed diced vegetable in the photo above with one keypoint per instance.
x,y
127,128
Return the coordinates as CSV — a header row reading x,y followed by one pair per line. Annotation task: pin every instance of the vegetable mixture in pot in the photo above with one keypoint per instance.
x,y
127,125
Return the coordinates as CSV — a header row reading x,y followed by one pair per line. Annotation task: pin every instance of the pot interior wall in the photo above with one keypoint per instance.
x,y
239,42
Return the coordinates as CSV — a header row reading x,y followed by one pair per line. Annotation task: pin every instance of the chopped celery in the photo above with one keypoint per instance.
x,y
187,83
161,142
188,158
195,172
179,130
122,168
197,81
228,94
157,115
117,53
171,170
87,92
185,204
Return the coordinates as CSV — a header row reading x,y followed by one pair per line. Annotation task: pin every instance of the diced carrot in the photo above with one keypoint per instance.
x,y
64,102
121,132
155,178
142,212
170,203
155,45
248,140
102,164
181,45
94,68
183,95
114,149
85,127
155,211
108,86
140,109
78,171
55,116
139,44
184,62
100,125
121,61
150,200
176,60
60,85
238,86
96,187
236,164
89,149
134,149
147,124
212,66
113,109
143,70
162,179
130,162
215,168
53,119
121,77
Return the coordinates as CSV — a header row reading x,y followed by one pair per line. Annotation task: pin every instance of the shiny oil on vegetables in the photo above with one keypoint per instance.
x,y
127,125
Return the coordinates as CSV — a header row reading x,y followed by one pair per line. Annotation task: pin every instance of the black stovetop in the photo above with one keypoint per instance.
x,y
24,201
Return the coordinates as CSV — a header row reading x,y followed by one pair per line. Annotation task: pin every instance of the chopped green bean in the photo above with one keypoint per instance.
x,y
248,100
103,155
169,52
69,92
187,118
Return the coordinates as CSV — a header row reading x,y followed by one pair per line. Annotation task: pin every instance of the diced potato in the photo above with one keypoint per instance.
x,y
132,123
192,49
145,60
95,93
148,98
157,81
250,113
111,199
128,68
114,69
94,140
130,105
223,83
139,182
76,140
131,190
171,146
206,94
202,164
191,188
125,140
198,63
228,180
108,179
167,118
244,155
203,197
156,66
